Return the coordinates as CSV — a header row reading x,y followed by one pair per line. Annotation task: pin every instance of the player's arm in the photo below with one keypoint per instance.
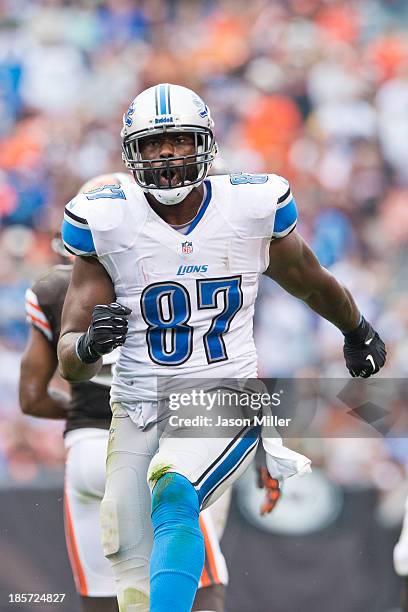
x,y
38,366
294,267
92,324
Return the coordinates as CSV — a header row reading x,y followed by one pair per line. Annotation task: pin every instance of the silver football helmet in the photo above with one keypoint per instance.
x,y
166,109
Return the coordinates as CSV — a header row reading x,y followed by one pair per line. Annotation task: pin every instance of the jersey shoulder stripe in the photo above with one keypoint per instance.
x,y
76,232
77,236
36,316
285,199
75,219
282,199
285,218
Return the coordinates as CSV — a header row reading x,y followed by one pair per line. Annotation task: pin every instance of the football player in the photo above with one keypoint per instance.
x,y
168,270
87,413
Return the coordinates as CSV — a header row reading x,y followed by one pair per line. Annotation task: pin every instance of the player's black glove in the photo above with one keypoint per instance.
x,y
364,351
107,330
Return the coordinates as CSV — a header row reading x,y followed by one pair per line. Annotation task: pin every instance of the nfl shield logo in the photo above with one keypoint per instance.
x,y
186,247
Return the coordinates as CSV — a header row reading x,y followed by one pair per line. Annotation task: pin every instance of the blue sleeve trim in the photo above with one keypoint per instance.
x,y
285,217
80,240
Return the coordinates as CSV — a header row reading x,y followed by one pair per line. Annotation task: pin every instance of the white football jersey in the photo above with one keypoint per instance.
x,y
192,294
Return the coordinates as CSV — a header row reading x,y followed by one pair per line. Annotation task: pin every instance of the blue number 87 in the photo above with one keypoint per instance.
x,y
166,308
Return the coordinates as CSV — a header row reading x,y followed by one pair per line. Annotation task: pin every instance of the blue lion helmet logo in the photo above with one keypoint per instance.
x,y
128,116
201,107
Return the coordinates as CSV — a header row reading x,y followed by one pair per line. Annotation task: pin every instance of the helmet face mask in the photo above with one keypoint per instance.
x,y
168,179
192,168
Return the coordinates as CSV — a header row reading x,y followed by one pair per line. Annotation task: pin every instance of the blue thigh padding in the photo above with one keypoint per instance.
x,y
177,558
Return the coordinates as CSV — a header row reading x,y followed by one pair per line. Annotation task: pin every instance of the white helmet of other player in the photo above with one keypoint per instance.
x,y
115,178
166,109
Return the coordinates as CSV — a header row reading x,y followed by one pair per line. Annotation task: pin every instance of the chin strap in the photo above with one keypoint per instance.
x,y
169,197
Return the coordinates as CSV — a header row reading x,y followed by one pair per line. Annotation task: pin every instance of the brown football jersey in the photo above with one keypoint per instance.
x,y
89,406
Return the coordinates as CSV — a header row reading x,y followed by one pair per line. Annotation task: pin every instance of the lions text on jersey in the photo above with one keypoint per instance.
x,y
192,293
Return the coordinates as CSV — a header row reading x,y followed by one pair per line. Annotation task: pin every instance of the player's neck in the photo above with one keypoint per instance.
x,y
181,213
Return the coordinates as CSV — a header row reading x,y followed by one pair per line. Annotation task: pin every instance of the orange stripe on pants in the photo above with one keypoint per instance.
x,y
76,566
209,555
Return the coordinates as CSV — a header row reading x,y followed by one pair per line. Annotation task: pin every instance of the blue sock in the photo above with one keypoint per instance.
x,y
178,547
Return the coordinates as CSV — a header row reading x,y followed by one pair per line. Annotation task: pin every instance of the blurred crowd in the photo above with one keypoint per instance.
x,y
315,90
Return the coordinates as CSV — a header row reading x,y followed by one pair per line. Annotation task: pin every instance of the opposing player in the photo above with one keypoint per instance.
x,y
168,270
87,413
401,558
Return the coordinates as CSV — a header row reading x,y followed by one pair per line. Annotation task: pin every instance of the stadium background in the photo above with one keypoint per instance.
x,y
315,90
